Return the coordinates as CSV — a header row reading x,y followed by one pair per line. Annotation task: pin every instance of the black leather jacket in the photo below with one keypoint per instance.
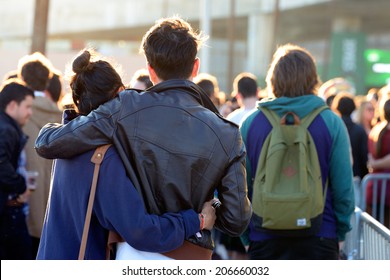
x,y
176,152
12,141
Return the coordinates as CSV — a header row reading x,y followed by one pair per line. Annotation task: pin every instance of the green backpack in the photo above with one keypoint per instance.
x,y
288,197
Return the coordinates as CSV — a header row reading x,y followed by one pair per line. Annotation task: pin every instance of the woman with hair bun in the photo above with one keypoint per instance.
x,y
117,205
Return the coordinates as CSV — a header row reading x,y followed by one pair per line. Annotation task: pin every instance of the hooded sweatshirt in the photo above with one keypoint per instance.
x,y
333,147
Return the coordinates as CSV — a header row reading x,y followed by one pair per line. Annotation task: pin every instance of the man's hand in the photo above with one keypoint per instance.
x,y
24,197
208,212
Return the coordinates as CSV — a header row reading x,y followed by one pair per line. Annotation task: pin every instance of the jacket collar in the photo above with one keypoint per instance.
x,y
188,87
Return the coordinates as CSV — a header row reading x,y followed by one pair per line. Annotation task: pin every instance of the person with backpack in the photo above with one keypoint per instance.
x,y
299,170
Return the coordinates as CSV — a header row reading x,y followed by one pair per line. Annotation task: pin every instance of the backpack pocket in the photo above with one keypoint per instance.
x,y
286,211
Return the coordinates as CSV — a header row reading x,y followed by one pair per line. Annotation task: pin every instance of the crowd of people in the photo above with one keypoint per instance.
x,y
177,181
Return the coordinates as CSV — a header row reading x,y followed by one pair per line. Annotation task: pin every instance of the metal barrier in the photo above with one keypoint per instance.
x,y
379,181
351,247
368,240
358,191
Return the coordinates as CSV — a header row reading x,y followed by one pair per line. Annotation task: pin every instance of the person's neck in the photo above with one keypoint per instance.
x,y
249,103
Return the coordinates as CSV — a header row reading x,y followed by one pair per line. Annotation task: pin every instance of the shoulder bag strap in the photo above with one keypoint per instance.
x,y
97,159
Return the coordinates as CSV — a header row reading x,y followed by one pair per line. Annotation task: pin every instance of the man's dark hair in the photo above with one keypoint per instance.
x,y
13,90
343,103
245,84
292,72
170,47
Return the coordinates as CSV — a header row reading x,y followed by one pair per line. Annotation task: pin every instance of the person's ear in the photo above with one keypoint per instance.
x,y
11,108
152,75
196,68
121,88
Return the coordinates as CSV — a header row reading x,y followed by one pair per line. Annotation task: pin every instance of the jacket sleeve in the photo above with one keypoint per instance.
x,y
340,176
119,207
235,211
10,180
82,134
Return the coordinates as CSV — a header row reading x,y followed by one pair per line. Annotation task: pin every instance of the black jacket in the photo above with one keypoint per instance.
x,y
359,146
12,141
176,152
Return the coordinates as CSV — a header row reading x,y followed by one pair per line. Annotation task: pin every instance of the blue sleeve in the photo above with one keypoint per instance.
x,y
80,135
340,173
119,207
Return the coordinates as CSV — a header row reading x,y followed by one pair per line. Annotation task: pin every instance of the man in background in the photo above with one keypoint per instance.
x,y
37,71
15,110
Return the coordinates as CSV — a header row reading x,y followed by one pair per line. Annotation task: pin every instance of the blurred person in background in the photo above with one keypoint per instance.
x,y
332,87
140,80
365,113
379,161
344,105
38,73
245,90
209,84
15,109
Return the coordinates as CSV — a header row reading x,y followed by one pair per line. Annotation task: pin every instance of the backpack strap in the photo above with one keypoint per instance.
x,y
97,159
306,121
272,117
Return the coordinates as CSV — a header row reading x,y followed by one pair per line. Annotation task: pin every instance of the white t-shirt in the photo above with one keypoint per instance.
x,y
126,252
238,115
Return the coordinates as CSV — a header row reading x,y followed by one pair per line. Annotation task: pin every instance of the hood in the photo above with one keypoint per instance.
x,y
301,105
44,111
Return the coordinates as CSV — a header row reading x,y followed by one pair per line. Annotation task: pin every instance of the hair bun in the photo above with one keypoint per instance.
x,y
81,63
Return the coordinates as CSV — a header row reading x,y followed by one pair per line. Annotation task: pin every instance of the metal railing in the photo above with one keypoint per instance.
x,y
379,184
368,240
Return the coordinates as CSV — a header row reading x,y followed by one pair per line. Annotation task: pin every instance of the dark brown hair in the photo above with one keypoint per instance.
x,y
35,70
95,82
209,84
170,47
55,86
292,72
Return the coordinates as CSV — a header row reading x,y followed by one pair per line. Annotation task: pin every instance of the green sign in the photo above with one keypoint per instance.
x,y
347,58
377,67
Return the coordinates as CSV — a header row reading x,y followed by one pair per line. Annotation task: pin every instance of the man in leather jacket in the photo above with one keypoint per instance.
x,y
176,148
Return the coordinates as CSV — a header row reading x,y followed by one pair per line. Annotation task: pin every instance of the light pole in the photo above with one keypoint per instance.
x,y
39,35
